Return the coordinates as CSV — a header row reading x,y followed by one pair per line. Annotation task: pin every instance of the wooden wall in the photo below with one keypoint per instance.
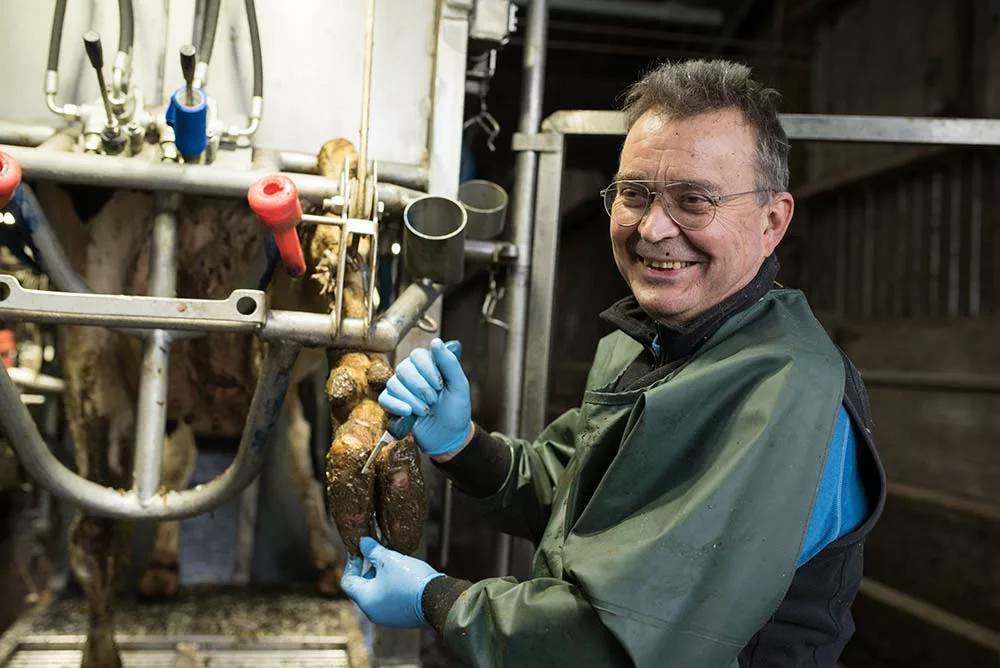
x,y
899,250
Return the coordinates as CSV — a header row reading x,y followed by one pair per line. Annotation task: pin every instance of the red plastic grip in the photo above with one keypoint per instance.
x,y
275,200
8,345
10,178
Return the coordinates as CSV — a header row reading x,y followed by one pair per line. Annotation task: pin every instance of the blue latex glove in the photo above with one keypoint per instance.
x,y
389,596
431,384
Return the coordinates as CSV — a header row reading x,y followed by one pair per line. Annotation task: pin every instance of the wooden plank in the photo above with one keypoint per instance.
x,y
944,441
942,550
931,615
898,631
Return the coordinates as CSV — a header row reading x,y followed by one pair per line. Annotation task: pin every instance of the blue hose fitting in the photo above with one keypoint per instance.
x,y
190,123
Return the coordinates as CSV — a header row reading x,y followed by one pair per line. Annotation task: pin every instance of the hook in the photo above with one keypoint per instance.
x,y
486,122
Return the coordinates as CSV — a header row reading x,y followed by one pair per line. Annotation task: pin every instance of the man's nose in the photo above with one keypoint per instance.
x,y
657,224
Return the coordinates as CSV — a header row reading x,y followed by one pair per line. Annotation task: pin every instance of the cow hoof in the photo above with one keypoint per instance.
x,y
159,582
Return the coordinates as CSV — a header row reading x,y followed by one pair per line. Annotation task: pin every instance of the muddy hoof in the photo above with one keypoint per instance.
x,y
159,582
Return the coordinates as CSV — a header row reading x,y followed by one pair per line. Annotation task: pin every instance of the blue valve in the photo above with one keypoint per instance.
x,y
188,116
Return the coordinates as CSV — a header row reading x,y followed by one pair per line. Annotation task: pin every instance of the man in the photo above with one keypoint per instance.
x,y
707,503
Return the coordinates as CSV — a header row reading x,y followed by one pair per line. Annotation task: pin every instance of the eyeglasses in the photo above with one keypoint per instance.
x,y
689,205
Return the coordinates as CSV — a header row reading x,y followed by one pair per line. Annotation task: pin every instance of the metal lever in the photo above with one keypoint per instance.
x,y
188,57
92,44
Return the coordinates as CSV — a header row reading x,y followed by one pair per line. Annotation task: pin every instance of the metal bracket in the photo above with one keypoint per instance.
x,y
542,142
242,311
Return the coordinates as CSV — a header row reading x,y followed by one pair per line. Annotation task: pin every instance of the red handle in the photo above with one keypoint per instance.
x,y
8,345
275,200
10,178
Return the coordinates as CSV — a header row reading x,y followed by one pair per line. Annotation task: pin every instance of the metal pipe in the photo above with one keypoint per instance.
x,y
817,127
516,302
489,251
314,329
242,311
389,172
50,473
184,178
544,274
36,382
189,179
151,410
21,134
151,415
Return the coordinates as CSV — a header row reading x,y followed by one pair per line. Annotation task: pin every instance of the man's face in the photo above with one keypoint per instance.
x,y
716,150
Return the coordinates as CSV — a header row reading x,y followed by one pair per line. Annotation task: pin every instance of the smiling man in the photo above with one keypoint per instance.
x,y
707,503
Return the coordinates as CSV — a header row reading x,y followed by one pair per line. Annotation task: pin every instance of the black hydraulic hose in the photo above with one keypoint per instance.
x,y
126,26
208,31
57,28
258,67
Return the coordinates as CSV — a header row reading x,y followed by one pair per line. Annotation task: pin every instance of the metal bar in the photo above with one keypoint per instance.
x,y
522,224
71,308
487,251
945,382
36,382
151,409
892,129
20,134
189,179
544,273
205,315
151,415
399,173
50,473
316,329
818,127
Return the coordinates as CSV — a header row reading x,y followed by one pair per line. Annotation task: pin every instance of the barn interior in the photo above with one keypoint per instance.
x,y
162,297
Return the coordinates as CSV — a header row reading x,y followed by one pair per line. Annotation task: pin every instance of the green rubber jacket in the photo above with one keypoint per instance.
x,y
676,512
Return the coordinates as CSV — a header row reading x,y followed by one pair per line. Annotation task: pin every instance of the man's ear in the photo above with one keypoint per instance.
x,y
779,215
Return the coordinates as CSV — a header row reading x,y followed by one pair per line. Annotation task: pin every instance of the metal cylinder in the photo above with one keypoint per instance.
x,y
434,239
486,204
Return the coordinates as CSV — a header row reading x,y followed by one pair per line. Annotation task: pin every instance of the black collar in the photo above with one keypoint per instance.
x,y
680,341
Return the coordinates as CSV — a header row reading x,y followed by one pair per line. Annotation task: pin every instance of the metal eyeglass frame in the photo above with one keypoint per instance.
x,y
716,200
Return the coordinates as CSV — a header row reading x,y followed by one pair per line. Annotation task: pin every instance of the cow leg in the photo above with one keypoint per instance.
x,y
161,577
102,424
325,556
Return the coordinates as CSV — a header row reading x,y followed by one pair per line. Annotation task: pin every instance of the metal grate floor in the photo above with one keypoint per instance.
x,y
201,628
304,658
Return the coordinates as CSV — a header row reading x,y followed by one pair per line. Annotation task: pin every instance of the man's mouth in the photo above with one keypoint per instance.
x,y
666,264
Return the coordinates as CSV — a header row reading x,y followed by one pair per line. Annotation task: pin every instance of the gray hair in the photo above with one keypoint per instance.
x,y
686,89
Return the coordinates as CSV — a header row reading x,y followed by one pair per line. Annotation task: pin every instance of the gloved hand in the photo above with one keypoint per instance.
x,y
389,596
431,384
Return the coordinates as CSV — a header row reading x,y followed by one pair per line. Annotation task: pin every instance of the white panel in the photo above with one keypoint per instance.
x,y
313,53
